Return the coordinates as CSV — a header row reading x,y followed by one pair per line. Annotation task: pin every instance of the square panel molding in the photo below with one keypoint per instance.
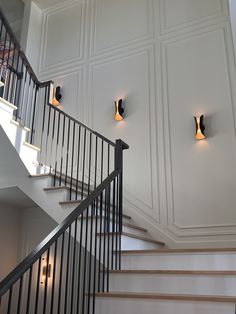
x,y
181,14
130,22
59,24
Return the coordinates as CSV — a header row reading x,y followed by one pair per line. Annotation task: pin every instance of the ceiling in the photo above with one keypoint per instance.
x,y
14,197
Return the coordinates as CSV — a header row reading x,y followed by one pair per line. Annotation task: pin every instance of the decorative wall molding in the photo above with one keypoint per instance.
x,y
149,55
158,209
149,35
66,61
221,11
173,226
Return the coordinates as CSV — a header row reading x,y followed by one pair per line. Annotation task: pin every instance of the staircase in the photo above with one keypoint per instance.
x,y
97,260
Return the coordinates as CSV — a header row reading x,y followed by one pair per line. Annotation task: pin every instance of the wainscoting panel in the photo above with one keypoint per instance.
x,y
130,71
63,36
203,173
169,60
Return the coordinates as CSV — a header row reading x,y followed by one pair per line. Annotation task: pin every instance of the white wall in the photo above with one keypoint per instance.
x,y
9,235
21,230
169,60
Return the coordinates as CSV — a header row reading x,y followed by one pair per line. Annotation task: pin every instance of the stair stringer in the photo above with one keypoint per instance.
x,y
14,173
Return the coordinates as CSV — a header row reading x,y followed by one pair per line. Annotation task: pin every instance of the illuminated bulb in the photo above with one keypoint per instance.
x,y
118,110
46,271
199,128
56,96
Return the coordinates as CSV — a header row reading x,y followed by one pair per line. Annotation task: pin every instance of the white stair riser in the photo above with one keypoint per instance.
x,y
210,261
138,306
174,284
125,229
128,243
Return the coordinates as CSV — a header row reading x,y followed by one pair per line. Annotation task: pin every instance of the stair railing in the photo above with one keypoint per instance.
x,y
64,273
67,269
76,157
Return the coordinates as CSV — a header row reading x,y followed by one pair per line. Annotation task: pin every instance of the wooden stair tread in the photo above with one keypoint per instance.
x,y
7,103
32,146
176,272
70,202
181,251
131,235
160,296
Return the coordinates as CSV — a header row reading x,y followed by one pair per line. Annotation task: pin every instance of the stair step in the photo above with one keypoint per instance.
x,y
70,202
160,296
134,236
126,224
16,123
180,251
7,103
218,259
32,146
62,177
175,272
175,282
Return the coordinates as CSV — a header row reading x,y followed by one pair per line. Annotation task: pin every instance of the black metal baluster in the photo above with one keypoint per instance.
x,y
43,125
3,53
47,138
80,262
120,216
22,98
37,289
32,133
100,242
85,260
109,234
52,141
90,153
9,301
104,234
62,150
29,291
117,219
46,282
78,164
113,222
61,272
96,157
95,254
18,93
84,154
108,159
58,133
19,295
90,256
53,276
72,161
67,151
73,268
67,271
102,161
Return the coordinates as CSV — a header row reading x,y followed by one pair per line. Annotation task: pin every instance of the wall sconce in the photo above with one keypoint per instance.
x,y
200,128
56,96
46,272
119,110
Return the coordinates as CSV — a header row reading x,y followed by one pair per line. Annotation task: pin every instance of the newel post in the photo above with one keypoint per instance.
x,y
120,146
